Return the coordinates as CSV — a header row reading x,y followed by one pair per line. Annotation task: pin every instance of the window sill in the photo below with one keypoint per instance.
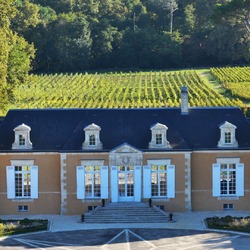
x,y
228,198
160,199
22,200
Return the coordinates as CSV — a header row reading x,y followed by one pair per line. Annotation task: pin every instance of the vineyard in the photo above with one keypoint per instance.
x,y
234,79
117,90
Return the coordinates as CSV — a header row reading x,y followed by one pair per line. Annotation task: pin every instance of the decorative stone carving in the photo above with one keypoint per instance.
x,y
125,155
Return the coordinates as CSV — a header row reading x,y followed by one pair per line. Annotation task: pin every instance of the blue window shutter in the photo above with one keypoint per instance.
x,y
34,182
216,180
240,179
137,183
80,182
114,184
10,179
104,182
146,182
171,181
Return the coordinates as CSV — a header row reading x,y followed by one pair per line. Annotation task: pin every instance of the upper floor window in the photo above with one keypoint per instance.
x,y
22,137
159,136
227,135
92,137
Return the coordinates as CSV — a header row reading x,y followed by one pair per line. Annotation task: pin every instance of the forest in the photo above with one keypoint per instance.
x,y
96,35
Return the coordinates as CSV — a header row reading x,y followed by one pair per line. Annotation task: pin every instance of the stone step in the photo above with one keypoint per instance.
x,y
126,212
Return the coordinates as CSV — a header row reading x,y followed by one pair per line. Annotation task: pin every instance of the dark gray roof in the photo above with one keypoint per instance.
x,y
62,129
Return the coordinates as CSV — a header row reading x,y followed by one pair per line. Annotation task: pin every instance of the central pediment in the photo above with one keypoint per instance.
x,y
125,154
125,148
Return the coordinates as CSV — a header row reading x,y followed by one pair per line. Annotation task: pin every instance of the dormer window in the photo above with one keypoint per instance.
x,y
22,137
92,137
227,135
159,136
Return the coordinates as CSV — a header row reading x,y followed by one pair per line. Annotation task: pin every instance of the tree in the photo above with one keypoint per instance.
x,y
7,11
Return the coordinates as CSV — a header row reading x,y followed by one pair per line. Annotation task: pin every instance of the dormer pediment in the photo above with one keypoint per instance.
x,y
92,126
22,127
227,125
159,126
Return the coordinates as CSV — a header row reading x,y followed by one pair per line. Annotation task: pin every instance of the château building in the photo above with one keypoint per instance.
x,y
64,161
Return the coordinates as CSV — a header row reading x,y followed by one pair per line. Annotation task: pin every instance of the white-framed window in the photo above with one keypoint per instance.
x,y
22,180
92,180
159,136
159,179
92,137
22,137
228,178
227,135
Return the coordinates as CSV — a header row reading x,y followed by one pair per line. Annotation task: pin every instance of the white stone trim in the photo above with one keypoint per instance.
x,y
22,162
159,162
229,160
63,173
188,180
92,162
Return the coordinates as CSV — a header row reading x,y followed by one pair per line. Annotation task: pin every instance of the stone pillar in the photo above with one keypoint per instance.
x,y
188,200
63,172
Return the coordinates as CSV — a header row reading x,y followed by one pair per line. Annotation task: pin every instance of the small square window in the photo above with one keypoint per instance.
x,y
158,139
21,140
23,208
228,206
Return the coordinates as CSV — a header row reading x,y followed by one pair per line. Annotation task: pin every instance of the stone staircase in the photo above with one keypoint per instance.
x,y
126,212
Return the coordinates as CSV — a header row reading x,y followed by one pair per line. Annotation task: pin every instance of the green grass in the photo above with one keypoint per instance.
x,y
10,227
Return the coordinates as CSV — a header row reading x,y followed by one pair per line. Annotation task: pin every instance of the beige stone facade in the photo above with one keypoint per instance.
x,y
57,180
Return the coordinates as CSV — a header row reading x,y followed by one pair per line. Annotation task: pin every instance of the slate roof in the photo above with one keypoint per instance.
x,y
62,129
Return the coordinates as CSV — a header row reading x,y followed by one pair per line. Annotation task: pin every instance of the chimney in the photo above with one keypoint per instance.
x,y
184,100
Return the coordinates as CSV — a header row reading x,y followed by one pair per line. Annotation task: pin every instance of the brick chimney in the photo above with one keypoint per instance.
x,y
184,100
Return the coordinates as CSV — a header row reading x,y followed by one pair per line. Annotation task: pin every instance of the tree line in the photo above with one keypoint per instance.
x,y
80,35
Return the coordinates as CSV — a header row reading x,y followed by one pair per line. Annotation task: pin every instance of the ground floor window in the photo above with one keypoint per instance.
x,y
22,181
158,180
228,178
92,181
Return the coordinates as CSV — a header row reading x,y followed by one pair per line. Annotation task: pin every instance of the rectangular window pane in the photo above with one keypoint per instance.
x,y
158,139
22,182
227,137
163,184
154,184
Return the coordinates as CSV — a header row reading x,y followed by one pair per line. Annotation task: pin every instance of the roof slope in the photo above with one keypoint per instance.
x,y
62,129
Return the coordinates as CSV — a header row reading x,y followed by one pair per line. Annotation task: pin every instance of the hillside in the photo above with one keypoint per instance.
x,y
123,90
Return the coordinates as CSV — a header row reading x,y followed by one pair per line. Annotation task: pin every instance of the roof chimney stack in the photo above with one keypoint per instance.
x,y
184,100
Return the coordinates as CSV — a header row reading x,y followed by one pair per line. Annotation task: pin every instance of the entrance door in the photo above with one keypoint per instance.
x,y
126,183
